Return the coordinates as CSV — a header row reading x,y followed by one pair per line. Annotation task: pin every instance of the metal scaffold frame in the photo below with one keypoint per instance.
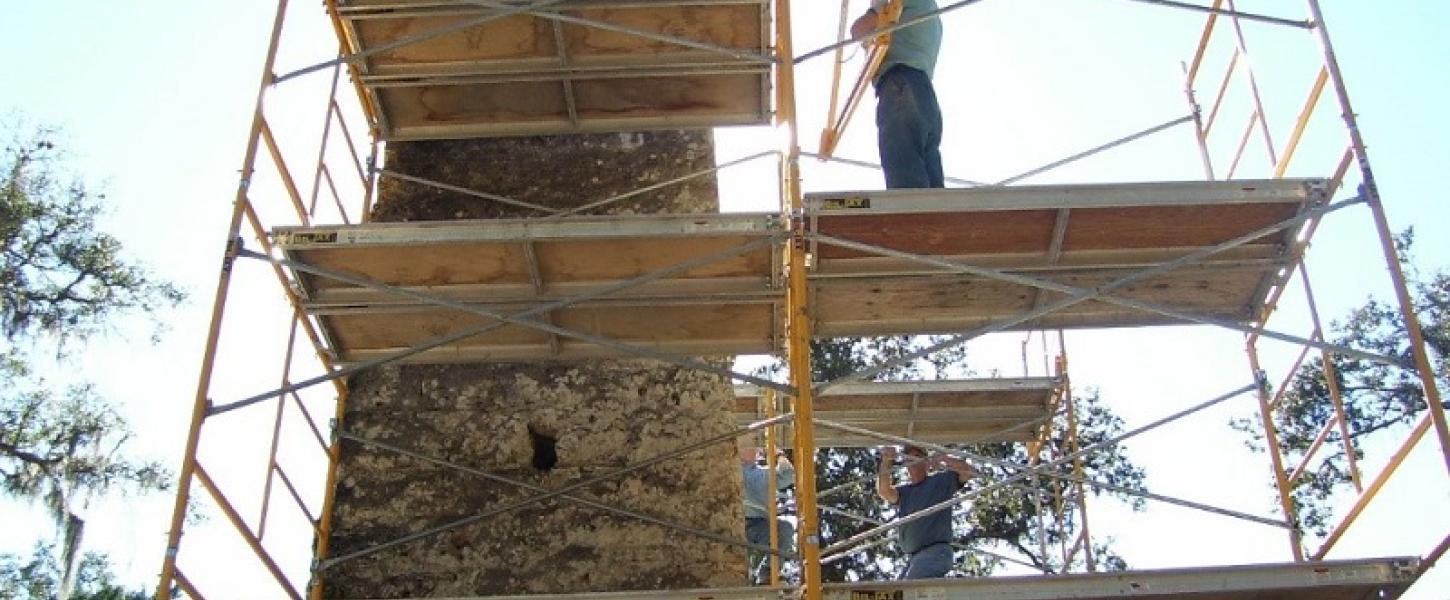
x,y
794,402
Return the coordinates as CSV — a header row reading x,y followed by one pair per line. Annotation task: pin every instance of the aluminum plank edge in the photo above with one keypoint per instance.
x,y
948,386
1117,195
1247,582
522,230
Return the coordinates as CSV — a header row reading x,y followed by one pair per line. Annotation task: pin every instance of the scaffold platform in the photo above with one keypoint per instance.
x,y
1364,579
575,66
685,284
898,262
884,260
940,412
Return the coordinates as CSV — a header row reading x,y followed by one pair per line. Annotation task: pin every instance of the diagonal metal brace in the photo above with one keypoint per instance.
x,y
481,329
645,517
949,503
560,491
543,326
415,39
1078,295
1016,466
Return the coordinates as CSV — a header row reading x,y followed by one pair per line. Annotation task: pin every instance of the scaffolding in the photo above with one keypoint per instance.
x,y
958,263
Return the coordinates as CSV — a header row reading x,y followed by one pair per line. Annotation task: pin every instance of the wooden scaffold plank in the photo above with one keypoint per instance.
x,y
572,66
941,412
721,305
1083,236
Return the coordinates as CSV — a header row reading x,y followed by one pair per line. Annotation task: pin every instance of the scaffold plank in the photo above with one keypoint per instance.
x,y
1359,579
728,303
1082,236
941,412
574,66
1330,580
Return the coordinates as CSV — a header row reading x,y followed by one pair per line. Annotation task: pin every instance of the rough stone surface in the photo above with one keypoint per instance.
x,y
545,424
561,171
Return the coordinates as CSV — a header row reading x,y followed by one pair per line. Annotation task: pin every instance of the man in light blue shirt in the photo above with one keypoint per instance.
x,y
908,118
758,495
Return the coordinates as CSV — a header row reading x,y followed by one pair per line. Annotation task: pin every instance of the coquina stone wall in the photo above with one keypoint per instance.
x,y
548,424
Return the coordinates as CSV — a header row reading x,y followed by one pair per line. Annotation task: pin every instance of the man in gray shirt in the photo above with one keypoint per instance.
x,y
927,541
758,495
908,118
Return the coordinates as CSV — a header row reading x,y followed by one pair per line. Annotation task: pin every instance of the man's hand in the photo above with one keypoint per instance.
x,y
864,25
884,486
963,470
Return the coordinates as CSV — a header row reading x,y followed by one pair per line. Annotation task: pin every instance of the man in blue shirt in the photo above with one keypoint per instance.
x,y
908,119
757,493
926,541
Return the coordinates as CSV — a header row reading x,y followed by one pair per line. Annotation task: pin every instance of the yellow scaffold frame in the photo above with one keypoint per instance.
x,y
797,260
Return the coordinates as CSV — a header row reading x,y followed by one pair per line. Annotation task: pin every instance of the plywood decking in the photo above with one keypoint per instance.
x,y
1328,580
720,307
1361,579
942,412
1085,236
576,66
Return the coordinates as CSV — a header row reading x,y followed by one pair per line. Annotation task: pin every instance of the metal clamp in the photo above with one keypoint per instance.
x,y
229,256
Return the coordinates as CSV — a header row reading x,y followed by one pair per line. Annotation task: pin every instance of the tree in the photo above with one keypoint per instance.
x,y
1378,398
59,274
40,578
63,451
62,279
999,526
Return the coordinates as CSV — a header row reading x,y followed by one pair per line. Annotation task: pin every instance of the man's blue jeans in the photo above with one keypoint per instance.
x,y
908,127
757,531
930,562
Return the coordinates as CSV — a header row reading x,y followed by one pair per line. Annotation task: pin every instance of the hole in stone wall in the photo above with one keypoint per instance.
x,y
545,457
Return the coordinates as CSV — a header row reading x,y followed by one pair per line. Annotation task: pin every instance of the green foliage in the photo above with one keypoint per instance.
x,y
61,280
1000,525
40,578
59,275
1377,397
58,450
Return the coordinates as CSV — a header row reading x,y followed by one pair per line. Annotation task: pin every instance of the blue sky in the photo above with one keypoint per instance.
x,y
155,97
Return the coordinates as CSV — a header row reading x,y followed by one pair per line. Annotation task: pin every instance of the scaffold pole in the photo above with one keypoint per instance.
x,y
224,278
1392,258
798,320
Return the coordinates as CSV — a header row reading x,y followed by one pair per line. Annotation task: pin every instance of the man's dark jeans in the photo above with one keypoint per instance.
x,y
908,126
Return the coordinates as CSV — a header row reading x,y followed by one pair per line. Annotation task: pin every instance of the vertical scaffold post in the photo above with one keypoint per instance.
x,y
224,278
1392,258
1079,469
798,325
772,484
1276,459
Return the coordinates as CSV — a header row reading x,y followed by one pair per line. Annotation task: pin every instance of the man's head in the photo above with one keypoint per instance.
x,y
749,454
915,462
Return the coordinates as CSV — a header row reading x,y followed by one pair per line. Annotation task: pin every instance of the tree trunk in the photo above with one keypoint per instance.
x,y
545,423
70,554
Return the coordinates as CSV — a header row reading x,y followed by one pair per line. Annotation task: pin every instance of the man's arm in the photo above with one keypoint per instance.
x,y
965,472
864,24
784,472
884,487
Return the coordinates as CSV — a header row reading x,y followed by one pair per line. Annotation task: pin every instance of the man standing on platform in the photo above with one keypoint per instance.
x,y
908,119
927,541
757,494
